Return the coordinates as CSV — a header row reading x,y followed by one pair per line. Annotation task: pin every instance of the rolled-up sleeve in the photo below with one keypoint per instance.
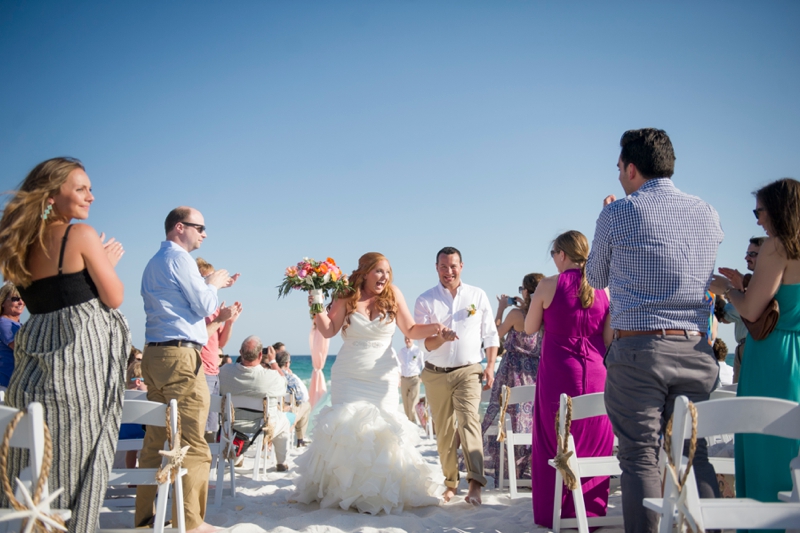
x,y
201,296
599,262
488,328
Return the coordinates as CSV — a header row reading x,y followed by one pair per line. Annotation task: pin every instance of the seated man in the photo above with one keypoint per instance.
x,y
300,392
248,378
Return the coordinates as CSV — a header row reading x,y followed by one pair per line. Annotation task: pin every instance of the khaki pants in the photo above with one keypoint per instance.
x,y
455,397
302,412
409,391
176,373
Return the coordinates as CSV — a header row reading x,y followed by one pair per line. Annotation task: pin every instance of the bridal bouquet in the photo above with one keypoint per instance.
x,y
320,278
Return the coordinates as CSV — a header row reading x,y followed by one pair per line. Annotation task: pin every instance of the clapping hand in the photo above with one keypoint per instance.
x,y
229,313
113,249
221,279
609,199
736,278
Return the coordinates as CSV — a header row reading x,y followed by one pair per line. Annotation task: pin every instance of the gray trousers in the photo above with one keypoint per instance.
x,y
645,375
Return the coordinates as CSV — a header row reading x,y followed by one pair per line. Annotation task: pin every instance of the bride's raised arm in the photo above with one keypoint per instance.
x,y
329,323
406,322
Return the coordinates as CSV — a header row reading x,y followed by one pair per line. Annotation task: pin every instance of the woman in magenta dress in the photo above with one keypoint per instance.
x,y
576,331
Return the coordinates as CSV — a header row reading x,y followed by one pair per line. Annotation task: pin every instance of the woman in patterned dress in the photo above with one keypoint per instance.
x,y
70,355
519,366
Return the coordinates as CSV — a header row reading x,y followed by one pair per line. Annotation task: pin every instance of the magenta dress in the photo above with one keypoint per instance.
x,y
572,363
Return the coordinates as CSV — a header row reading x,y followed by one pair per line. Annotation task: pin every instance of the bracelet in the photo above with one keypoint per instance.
x,y
725,294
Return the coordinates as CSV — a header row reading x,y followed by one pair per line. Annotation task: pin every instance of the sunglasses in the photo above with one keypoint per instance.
x,y
757,210
521,288
553,253
15,299
138,379
751,255
199,227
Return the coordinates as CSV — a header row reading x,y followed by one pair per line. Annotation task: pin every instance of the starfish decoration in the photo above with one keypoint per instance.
x,y
175,458
35,513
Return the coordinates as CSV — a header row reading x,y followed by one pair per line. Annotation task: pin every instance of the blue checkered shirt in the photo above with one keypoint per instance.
x,y
655,250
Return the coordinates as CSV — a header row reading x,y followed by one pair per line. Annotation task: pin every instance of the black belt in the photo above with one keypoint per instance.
x,y
178,343
446,370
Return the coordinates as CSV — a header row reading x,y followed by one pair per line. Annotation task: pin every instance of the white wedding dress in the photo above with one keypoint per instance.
x,y
362,452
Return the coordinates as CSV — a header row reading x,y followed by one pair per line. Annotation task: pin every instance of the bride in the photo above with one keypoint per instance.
x,y
363,451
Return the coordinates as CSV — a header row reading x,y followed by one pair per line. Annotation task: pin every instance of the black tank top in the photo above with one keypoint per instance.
x,y
62,290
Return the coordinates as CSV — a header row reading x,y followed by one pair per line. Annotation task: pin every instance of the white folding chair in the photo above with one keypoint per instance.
x,y
27,434
150,414
221,452
766,416
491,432
516,396
586,406
262,449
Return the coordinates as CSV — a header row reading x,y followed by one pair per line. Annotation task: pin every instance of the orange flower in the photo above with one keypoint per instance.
x,y
331,261
322,269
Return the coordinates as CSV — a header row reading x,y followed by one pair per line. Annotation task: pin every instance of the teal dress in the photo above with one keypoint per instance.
x,y
771,368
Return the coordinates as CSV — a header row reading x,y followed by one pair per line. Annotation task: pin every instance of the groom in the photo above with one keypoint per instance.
x,y
453,371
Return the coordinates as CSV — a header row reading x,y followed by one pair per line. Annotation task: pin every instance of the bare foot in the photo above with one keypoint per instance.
x,y
449,492
474,494
203,528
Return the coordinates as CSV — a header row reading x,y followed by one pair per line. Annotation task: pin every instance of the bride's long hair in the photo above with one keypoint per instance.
x,y
384,302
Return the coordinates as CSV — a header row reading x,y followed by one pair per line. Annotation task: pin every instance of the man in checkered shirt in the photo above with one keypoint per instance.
x,y
655,250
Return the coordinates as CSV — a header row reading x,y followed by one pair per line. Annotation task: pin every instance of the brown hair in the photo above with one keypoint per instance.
x,y
134,371
781,199
576,247
179,214
22,224
720,349
385,302
204,266
132,355
529,283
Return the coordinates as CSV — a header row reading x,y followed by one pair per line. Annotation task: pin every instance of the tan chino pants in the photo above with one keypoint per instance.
x,y
176,373
455,397
409,391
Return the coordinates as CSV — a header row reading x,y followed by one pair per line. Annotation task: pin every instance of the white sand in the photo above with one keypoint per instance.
x,y
263,506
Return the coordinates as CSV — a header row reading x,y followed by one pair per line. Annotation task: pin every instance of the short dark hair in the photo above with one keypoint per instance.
x,y
449,250
758,241
179,214
650,151
277,346
282,358
720,349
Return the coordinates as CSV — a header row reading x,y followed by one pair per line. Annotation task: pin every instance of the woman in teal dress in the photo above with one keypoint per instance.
x,y
770,367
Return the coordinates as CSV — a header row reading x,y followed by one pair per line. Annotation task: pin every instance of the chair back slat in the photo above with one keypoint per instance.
x,y
133,394
768,416
522,394
144,412
215,405
588,405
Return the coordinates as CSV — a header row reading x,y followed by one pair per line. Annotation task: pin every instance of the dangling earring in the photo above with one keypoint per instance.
x,y
47,211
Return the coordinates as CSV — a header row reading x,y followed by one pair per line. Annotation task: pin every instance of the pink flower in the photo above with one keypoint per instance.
x,y
291,272
302,274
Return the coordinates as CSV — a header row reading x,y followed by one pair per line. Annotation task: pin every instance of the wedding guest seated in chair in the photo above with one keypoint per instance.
x,y
248,378
298,389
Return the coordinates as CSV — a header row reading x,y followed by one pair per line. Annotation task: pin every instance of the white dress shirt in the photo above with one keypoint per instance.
x,y
410,361
472,328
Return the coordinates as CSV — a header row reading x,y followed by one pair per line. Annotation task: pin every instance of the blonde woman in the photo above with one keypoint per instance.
x,y
362,452
576,331
71,353
12,308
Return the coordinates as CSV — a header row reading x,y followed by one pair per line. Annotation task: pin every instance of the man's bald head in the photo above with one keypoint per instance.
x,y
251,349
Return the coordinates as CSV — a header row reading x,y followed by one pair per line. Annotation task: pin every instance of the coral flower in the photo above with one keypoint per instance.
x,y
291,272
322,269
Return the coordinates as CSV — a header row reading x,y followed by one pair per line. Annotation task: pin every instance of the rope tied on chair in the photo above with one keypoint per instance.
x,y
501,425
684,516
563,454
267,428
229,453
33,511
175,455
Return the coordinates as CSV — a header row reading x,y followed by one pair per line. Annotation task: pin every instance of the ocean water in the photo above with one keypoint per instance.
x,y
302,367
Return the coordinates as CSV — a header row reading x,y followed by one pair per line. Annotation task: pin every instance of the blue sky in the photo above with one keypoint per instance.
x,y
338,128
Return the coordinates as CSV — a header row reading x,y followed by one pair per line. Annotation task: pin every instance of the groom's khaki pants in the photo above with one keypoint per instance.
x,y
454,397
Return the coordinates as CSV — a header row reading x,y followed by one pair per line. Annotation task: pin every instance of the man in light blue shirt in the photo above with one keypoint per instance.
x,y
177,300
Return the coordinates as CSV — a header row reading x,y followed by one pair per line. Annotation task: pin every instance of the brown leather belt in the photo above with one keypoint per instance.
x,y
622,333
446,370
178,344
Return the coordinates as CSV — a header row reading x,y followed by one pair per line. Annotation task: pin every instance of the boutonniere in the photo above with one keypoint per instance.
x,y
471,310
